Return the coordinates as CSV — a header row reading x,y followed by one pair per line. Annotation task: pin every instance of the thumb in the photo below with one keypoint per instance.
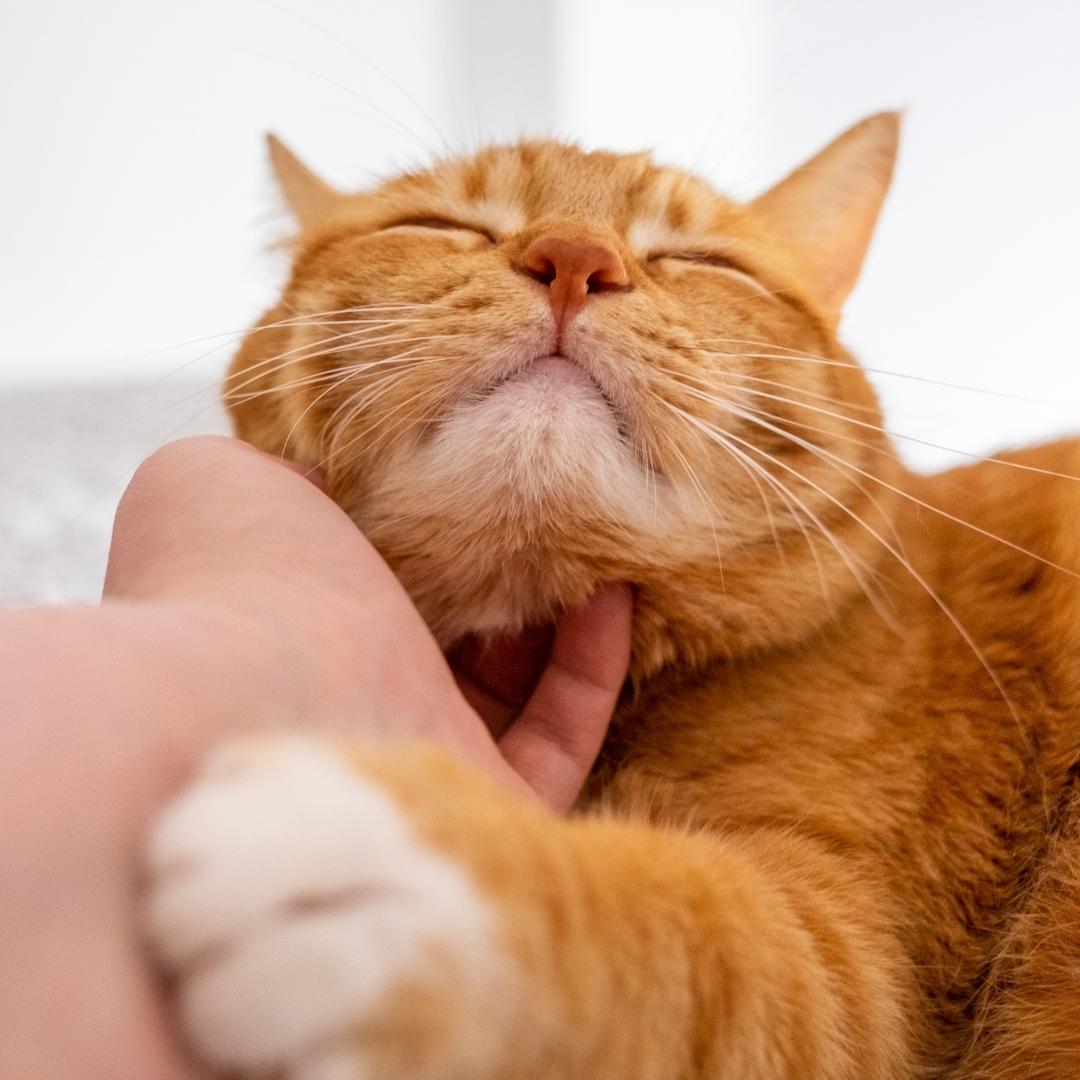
x,y
554,742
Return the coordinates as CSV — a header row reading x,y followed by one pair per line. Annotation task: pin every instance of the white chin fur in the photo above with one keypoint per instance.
x,y
540,442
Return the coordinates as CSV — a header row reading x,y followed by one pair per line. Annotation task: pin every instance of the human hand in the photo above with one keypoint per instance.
x,y
238,598
214,521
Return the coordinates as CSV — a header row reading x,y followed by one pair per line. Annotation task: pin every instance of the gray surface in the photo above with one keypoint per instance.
x,y
66,455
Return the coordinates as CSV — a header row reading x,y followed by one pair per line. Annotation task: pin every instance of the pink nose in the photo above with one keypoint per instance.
x,y
572,269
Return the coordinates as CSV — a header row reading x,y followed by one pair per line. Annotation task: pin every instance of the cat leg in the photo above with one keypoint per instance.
x,y
370,913
1030,1026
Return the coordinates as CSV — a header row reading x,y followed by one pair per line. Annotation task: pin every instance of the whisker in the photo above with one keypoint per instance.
x,y
387,121
303,352
224,384
707,505
822,452
906,563
367,61
344,376
238,334
233,395
850,560
336,451
712,400
331,375
799,390
889,431
903,561
795,355
862,443
374,390
365,403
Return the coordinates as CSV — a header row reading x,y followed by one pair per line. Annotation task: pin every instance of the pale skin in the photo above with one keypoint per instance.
x,y
238,598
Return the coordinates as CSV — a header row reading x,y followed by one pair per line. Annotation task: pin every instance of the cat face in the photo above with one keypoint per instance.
x,y
538,369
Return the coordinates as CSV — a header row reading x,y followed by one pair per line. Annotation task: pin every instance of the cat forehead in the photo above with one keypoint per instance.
x,y
510,187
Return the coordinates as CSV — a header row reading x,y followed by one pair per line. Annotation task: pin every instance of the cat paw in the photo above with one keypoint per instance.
x,y
310,934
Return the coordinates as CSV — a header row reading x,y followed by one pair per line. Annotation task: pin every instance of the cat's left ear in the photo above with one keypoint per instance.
x,y
825,211
307,195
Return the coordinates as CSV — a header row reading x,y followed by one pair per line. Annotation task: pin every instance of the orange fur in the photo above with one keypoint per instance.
x,y
829,835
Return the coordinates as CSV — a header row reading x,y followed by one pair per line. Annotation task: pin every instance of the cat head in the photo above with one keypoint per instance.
x,y
537,369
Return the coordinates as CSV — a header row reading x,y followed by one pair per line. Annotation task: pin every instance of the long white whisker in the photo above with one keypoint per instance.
x,y
379,71
852,562
900,435
334,451
305,352
399,365
713,400
707,505
335,375
906,563
233,393
240,333
794,355
389,122
348,373
822,452
830,399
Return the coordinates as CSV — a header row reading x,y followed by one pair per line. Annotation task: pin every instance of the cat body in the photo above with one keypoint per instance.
x,y
834,830
894,753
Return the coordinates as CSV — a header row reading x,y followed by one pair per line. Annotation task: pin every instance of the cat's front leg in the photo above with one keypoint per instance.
x,y
313,934
386,914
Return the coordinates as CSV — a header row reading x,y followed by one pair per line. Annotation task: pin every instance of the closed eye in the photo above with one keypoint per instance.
x,y
432,221
715,261
703,258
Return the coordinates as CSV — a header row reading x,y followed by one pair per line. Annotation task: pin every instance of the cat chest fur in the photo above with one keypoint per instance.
x,y
894,748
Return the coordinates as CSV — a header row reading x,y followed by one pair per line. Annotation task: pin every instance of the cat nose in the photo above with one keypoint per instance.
x,y
572,269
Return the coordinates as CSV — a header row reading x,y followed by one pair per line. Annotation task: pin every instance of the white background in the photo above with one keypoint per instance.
x,y
135,209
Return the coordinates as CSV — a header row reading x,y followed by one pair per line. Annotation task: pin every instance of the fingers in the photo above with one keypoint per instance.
x,y
498,677
203,509
554,742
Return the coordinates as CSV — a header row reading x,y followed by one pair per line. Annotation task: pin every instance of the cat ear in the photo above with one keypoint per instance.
x,y
308,196
826,209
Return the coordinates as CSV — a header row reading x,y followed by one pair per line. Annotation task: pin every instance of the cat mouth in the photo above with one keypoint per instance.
x,y
559,373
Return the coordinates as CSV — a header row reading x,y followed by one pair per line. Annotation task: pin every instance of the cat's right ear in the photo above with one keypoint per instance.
x,y
307,195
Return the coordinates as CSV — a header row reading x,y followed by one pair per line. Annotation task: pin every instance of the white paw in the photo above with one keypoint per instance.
x,y
293,903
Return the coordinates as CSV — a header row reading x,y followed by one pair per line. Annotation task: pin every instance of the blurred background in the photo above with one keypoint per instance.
x,y
136,212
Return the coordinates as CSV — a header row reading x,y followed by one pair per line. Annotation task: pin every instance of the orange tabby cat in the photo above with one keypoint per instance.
x,y
834,831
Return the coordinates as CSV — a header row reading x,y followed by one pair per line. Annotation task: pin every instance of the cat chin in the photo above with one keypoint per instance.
x,y
520,503
481,557
477,568
538,451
